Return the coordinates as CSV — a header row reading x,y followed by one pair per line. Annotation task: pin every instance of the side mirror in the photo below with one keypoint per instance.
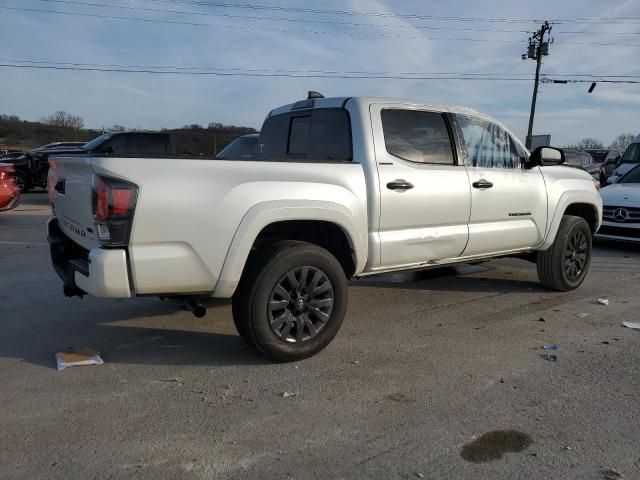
x,y
545,156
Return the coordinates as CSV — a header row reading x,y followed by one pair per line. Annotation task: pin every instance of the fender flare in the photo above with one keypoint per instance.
x,y
566,199
263,214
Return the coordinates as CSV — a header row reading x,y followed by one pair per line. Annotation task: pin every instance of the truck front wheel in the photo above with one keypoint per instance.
x,y
291,300
564,265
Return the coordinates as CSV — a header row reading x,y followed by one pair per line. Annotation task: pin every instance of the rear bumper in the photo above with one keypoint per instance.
x,y
98,272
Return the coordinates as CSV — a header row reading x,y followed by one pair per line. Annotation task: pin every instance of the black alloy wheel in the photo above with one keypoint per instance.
x,y
300,304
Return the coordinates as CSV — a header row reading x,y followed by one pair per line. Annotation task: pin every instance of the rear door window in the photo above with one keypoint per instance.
x,y
417,136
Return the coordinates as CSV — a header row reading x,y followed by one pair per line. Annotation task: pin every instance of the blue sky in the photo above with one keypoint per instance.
x,y
568,112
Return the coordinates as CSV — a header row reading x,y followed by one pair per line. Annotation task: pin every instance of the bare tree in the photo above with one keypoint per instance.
x,y
590,143
64,119
621,142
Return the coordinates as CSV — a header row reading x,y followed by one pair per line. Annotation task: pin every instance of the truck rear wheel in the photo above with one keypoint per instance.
x,y
291,300
564,265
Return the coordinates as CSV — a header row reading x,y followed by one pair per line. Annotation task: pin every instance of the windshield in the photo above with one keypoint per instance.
x,y
632,154
632,177
96,142
243,147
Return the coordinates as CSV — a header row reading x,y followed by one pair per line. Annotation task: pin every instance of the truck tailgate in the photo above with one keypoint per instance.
x,y
70,195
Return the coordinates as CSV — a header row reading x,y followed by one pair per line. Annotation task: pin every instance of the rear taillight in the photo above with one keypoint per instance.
x,y
113,204
100,199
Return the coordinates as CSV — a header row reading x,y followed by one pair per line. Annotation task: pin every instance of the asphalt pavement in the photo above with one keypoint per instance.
x,y
437,375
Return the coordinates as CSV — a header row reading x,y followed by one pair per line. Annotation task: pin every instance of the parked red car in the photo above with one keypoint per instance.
x,y
9,192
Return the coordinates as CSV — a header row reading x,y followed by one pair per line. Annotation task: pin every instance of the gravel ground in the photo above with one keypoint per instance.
x,y
435,374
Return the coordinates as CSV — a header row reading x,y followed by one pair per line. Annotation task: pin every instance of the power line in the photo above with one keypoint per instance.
x,y
257,74
248,27
314,20
629,20
340,12
339,75
592,80
582,32
310,71
165,67
286,30
588,75
280,19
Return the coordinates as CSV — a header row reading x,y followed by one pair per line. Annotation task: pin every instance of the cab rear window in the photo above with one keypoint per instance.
x,y
316,135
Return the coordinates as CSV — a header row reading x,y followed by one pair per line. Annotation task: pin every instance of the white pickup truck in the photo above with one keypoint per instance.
x,y
341,188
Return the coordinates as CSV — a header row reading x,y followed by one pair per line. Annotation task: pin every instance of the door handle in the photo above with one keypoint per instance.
x,y
482,183
399,185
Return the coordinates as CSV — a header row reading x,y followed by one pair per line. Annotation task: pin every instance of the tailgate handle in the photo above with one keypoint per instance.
x,y
61,186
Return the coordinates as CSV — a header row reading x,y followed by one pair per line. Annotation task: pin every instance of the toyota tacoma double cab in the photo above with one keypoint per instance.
x,y
341,188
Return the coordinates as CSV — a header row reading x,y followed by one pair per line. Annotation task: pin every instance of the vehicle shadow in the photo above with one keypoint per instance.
x,y
141,331
154,346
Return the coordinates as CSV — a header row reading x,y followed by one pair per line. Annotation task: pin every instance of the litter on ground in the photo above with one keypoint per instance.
x,y
603,301
582,315
550,347
75,356
288,394
635,326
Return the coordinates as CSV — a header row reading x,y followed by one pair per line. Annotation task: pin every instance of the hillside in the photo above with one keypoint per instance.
x,y
24,135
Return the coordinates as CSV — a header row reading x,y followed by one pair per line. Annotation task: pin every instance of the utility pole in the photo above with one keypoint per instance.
x,y
537,48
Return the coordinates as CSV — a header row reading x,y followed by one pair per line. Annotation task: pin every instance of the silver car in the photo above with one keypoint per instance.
x,y
621,210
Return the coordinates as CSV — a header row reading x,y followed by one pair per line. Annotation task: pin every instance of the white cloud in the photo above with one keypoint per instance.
x,y
566,111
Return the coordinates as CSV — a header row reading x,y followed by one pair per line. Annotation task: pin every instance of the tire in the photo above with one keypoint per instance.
x,y
22,182
284,322
564,265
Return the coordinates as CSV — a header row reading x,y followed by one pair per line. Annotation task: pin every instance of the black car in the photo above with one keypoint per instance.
x,y
61,145
582,159
8,156
602,155
608,159
245,146
32,168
